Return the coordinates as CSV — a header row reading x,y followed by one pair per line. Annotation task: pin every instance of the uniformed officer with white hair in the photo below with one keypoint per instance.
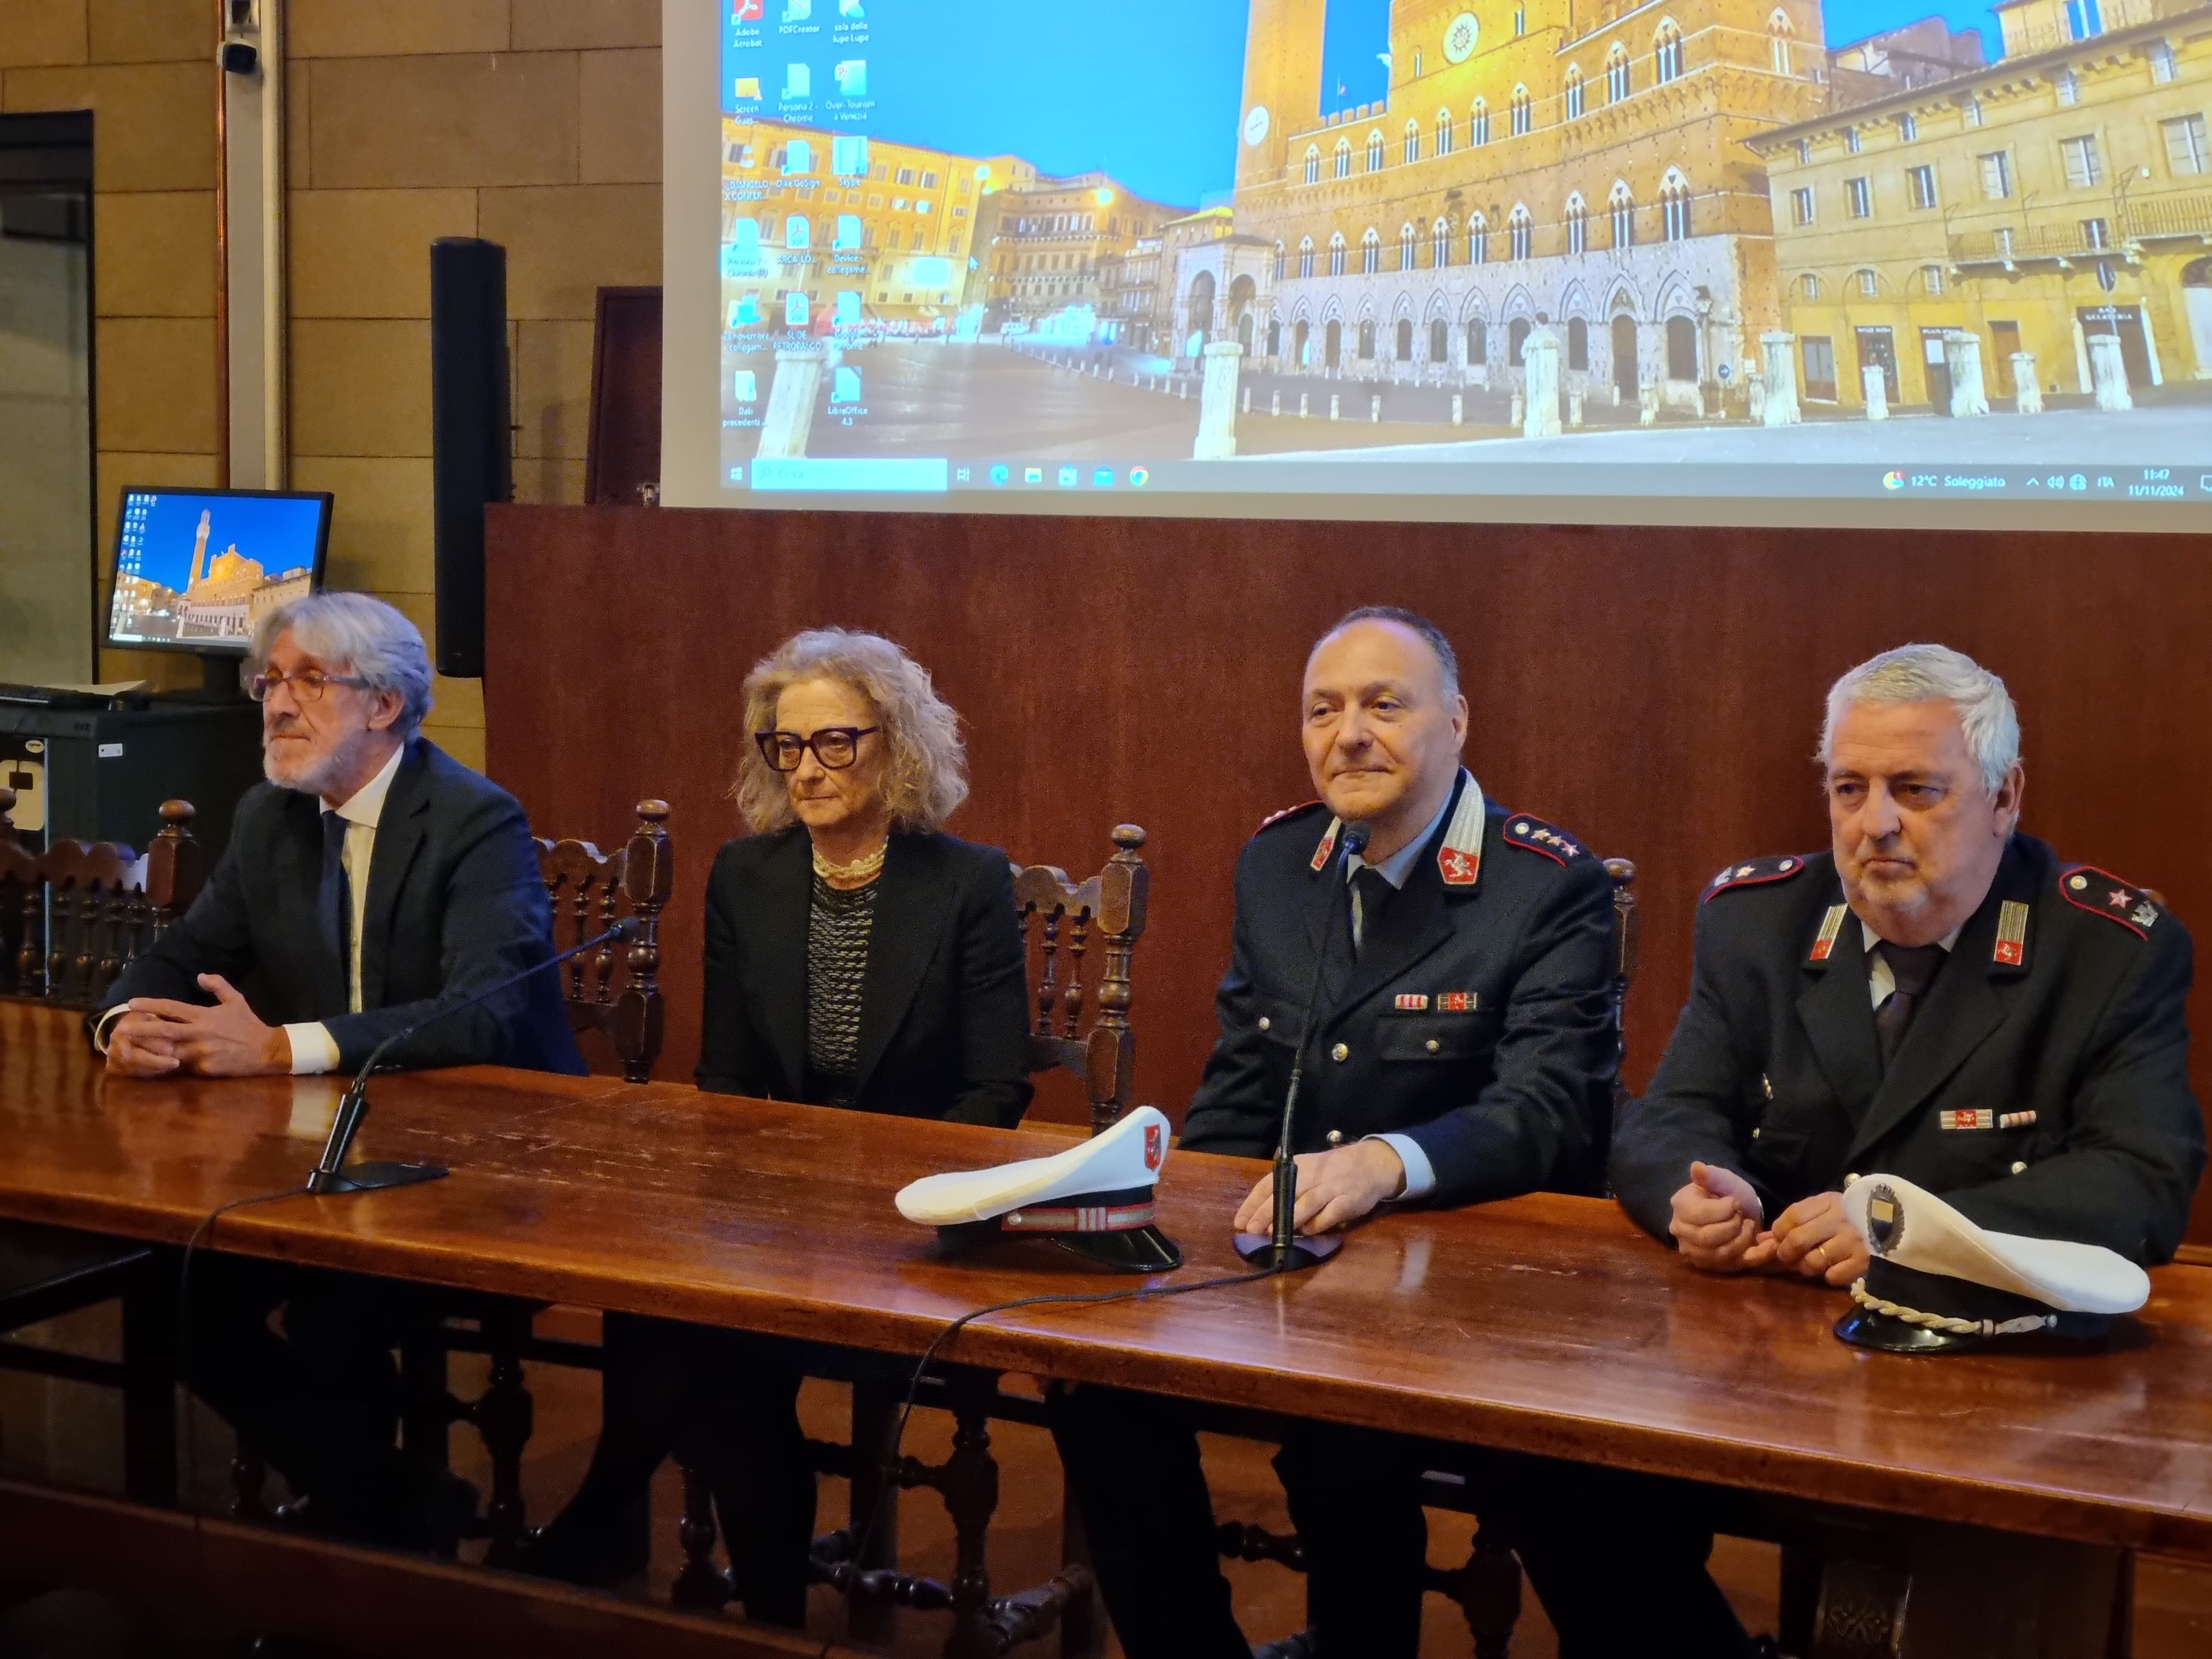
x,y
1464,1050
1938,996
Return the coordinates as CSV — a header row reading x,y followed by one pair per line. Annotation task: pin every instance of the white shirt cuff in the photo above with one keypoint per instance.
x,y
105,1025
1420,1174
313,1048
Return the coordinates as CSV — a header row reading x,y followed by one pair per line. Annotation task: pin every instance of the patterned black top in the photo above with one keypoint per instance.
x,y
837,927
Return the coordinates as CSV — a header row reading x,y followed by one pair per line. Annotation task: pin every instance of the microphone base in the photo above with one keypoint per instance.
x,y
374,1177
1259,1249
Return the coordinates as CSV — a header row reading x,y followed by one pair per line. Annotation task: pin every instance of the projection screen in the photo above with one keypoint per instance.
x,y
1738,262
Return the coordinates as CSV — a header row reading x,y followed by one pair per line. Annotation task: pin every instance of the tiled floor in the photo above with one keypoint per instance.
x,y
69,1433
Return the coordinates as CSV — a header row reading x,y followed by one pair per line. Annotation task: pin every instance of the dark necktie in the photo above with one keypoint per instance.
x,y
1913,967
1374,892
334,905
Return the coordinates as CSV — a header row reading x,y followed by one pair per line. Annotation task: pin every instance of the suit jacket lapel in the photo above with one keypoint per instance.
x,y
912,906
1837,1014
1963,1008
400,832
779,989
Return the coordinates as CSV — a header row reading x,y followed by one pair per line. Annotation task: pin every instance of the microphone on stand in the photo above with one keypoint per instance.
x,y
1283,1249
330,1174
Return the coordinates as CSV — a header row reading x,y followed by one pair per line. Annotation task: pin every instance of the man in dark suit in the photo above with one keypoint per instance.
x,y
369,882
1938,996
1464,1050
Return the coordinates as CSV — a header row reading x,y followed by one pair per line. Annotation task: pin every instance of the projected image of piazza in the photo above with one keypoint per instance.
x,y
1738,248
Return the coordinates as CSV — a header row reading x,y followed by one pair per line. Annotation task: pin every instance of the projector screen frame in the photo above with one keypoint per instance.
x,y
691,465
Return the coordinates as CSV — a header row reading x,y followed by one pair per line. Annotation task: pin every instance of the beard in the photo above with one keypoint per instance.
x,y
315,772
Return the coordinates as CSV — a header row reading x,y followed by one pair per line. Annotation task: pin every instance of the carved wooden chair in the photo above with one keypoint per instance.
x,y
1487,1585
615,992
74,916
71,919
1061,920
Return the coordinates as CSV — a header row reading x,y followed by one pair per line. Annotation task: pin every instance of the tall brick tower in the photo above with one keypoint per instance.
x,y
1282,84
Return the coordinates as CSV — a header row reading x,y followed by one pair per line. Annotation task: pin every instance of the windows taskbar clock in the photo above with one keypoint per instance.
x,y
1307,475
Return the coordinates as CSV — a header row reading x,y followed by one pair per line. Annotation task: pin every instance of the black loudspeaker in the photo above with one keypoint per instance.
x,y
472,452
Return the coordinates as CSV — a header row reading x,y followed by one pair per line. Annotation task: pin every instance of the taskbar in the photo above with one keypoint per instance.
x,y
1342,474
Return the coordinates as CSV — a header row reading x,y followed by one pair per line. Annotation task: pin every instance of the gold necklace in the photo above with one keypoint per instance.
x,y
859,870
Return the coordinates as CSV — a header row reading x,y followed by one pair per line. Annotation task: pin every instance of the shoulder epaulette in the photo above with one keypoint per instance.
x,y
1534,835
1754,872
1274,818
2087,887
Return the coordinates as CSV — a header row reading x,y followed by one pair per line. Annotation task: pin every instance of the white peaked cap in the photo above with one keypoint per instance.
x,y
1127,1156
1912,1228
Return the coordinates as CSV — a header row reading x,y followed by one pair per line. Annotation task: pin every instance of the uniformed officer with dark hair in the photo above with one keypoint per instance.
x,y
1939,998
1464,1050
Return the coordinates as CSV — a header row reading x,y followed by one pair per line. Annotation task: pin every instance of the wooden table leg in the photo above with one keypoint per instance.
x,y
968,1483
871,1505
149,1391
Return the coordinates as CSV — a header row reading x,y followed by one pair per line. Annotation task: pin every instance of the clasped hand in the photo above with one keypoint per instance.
x,y
1335,1189
157,1037
1717,1225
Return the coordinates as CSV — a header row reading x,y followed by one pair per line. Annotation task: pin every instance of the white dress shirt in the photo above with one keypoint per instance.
x,y
313,1048
1420,1174
1880,981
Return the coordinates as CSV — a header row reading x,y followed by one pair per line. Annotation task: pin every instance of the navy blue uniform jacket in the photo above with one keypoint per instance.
x,y
1477,1019
2043,1087
455,902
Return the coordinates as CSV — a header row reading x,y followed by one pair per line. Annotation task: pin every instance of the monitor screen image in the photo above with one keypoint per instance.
x,y
195,569
1313,257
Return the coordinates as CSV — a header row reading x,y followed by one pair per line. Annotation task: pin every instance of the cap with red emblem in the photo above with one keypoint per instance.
x,y
1095,1199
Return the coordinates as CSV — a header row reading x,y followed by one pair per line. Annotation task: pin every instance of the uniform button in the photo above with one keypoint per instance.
x,y
1335,1137
1339,1053
1263,1022
2020,1169
1848,1180
1432,1045
1755,1135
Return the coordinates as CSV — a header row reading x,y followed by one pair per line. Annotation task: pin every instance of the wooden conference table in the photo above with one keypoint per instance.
x,y
1546,1324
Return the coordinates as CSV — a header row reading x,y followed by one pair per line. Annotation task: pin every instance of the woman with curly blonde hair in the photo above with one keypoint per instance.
x,y
857,956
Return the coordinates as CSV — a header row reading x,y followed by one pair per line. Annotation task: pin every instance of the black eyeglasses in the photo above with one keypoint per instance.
x,y
308,685
836,746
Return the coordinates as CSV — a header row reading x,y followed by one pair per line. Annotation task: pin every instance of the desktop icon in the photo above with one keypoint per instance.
x,y
794,309
1000,474
1032,475
745,386
1103,478
1138,478
845,386
1068,476
798,11
853,77
748,87
849,307
798,82
1892,481
746,313
848,157
851,8
747,11
848,231
797,232
798,157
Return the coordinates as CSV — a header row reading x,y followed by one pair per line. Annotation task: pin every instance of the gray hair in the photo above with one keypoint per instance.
x,y
1413,622
1930,673
927,778
366,636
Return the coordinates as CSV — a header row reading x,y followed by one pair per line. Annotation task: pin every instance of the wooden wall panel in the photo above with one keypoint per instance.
x,y
1656,690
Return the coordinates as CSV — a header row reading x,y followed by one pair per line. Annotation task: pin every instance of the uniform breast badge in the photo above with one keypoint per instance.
x,y
2011,949
1831,924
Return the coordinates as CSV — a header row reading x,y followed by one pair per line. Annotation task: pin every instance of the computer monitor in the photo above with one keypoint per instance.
x,y
194,569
